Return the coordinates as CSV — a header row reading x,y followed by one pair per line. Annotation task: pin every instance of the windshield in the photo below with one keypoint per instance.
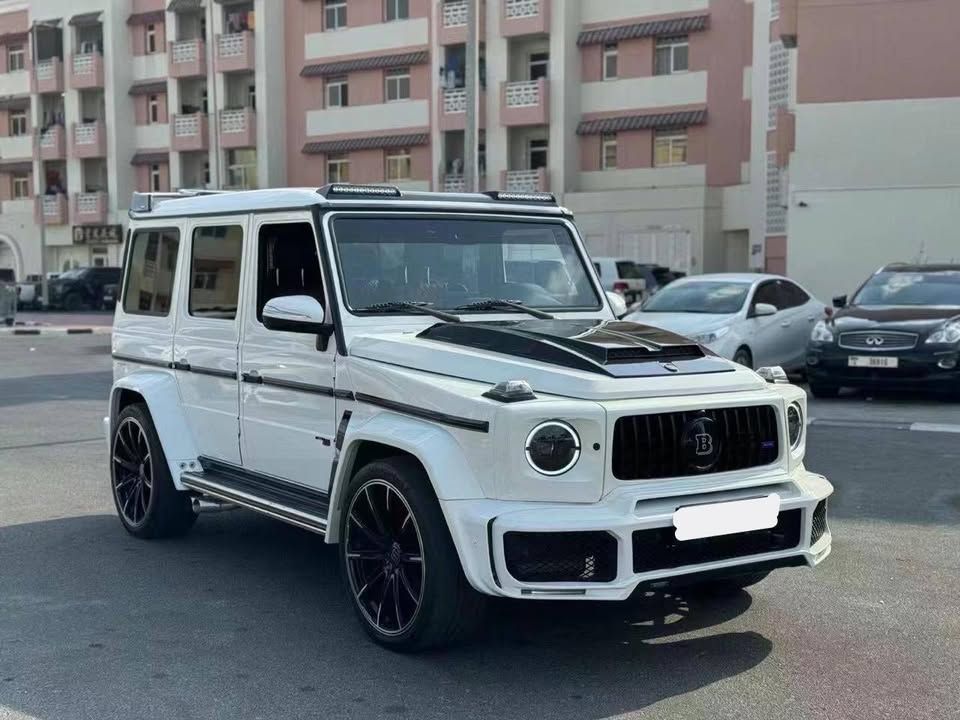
x,y
909,288
70,274
451,262
709,297
628,270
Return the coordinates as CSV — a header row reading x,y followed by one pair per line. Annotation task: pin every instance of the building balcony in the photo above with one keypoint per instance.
x,y
53,143
452,22
51,209
187,58
526,102
47,76
89,140
238,128
189,132
86,71
234,52
90,208
524,17
453,110
454,182
786,24
524,180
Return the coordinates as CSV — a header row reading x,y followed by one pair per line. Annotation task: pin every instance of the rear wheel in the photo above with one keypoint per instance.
x,y
400,565
73,302
148,504
819,390
743,357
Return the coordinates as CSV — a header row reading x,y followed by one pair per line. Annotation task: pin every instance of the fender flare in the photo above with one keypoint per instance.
x,y
159,391
448,470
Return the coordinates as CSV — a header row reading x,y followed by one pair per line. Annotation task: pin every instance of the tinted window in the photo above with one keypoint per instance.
x,y
628,270
215,271
770,294
597,268
911,288
793,295
287,263
151,267
700,296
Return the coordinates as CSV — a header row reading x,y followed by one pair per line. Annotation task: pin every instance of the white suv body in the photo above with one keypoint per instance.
x,y
257,352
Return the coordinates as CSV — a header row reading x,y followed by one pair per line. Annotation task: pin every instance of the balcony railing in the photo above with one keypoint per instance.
x,y
51,209
234,52
89,139
90,207
187,58
85,134
47,69
516,9
525,180
83,64
86,70
455,13
52,205
233,45
233,121
525,93
454,101
186,125
238,128
53,144
185,51
454,183
48,76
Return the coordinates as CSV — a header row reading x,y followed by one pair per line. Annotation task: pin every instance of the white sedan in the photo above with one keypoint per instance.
x,y
755,320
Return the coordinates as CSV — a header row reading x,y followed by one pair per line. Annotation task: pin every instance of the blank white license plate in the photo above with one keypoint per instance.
x,y
726,518
872,361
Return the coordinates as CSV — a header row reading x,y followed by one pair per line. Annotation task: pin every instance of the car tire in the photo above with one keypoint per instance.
x,y
819,390
390,518
148,504
73,302
744,357
730,585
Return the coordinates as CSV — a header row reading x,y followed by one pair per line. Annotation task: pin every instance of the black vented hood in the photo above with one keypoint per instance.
x,y
612,348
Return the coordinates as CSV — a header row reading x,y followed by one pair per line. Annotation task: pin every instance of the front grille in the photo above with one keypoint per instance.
x,y
659,549
878,341
561,556
819,522
652,446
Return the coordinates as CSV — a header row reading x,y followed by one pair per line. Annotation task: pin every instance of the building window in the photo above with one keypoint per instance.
x,y
154,178
203,101
778,82
15,58
672,55
608,152
537,154
774,10
335,14
670,148
252,96
396,10
398,85
153,109
151,39
610,61
337,92
206,173
338,169
18,122
399,166
539,64
21,186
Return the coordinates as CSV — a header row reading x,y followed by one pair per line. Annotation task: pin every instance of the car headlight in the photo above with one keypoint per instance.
x,y
794,425
947,333
821,333
553,447
712,336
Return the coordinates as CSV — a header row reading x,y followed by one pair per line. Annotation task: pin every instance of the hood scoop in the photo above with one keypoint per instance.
x,y
612,348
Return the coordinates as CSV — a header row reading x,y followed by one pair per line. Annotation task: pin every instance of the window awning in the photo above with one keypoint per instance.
x,y
185,6
148,87
85,19
16,166
649,121
654,28
365,143
14,102
147,18
150,158
369,63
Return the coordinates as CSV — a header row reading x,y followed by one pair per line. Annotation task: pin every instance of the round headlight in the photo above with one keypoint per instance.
x,y
553,447
794,424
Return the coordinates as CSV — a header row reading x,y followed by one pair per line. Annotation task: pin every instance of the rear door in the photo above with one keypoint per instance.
x,y
770,341
801,311
207,335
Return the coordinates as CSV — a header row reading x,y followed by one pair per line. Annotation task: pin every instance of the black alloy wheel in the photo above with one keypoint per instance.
x,y
132,471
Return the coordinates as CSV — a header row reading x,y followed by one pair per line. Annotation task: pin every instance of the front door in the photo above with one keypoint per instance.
x,y
770,341
287,413
208,328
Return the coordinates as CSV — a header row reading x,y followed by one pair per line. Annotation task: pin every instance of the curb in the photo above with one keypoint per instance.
x,y
56,330
885,425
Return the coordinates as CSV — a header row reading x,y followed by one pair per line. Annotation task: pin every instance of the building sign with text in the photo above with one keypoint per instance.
x,y
97,234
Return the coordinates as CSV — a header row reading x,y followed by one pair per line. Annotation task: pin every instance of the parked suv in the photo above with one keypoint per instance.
x,y
82,288
360,362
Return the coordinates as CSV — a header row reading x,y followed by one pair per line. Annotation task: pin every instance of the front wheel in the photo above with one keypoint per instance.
x,y
743,357
399,562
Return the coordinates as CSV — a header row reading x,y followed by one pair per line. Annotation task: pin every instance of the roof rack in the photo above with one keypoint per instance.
x,y
522,197
147,201
354,190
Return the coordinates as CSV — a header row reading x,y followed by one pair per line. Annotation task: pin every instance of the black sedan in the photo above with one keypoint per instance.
x,y
901,329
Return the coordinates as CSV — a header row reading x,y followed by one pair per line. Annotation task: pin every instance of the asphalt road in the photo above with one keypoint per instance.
x,y
246,618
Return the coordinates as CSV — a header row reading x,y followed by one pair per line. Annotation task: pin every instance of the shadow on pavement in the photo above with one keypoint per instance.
x,y
246,617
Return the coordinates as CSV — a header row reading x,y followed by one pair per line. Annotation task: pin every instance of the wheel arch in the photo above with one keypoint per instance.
x,y
158,391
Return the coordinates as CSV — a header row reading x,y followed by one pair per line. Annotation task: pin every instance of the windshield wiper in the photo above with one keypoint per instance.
x,y
420,308
494,303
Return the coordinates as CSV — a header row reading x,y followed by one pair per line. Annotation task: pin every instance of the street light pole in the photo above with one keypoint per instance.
x,y
471,90
44,294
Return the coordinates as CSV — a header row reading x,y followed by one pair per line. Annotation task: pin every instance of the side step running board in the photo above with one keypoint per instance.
x,y
285,501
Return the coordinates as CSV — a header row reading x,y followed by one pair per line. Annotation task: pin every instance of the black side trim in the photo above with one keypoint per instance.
x,y
185,366
338,446
442,418
214,372
721,573
493,564
143,361
199,482
333,300
267,487
299,386
344,394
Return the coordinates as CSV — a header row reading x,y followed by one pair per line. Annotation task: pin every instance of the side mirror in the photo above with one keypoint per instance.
x,y
294,313
764,310
617,304
840,301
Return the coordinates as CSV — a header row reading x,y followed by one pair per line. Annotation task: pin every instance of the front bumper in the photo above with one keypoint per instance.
x,y
483,531
829,365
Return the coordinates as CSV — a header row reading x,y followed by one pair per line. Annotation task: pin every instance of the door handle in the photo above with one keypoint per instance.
x,y
251,376
785,324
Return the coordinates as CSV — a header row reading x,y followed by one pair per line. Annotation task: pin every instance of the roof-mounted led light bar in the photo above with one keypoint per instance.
x,y
341,190
522,197
147,201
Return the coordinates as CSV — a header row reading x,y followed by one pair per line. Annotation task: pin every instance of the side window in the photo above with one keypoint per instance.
x,y
769,293
215,271
151,266
597,268
794,296
287,263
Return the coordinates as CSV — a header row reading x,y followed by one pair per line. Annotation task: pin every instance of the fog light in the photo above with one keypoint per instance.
x,y
947,363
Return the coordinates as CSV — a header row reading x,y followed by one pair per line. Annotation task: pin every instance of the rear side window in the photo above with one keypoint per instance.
x,y
215,271
793,294
151,268
628,270
287,263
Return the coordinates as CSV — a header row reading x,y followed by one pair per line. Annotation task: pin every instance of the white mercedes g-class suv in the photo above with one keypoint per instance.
x,y
438,384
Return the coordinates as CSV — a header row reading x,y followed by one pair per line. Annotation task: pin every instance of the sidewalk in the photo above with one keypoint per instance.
x,y
60,323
